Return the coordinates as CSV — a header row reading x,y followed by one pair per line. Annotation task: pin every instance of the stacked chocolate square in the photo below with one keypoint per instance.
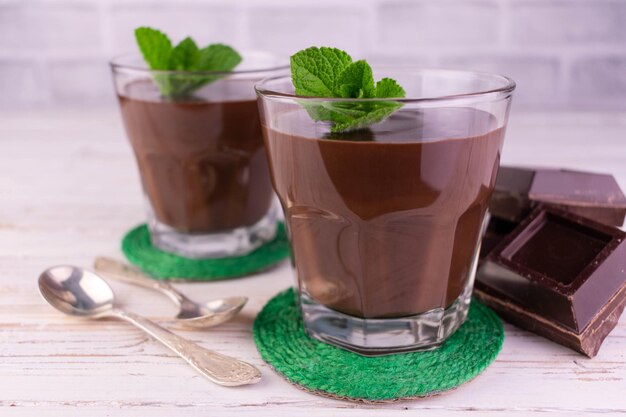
x,y
553,260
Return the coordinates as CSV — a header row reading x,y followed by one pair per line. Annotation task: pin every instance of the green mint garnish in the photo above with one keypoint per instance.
x,y
160,54
330,72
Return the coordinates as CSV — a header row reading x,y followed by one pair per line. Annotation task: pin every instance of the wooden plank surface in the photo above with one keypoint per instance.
x,y
69,190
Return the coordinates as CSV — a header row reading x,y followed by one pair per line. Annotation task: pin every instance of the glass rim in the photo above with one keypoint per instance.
x,y
507,88
115,64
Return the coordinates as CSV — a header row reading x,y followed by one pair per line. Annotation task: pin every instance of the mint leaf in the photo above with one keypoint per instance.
x,y
186,58
316,71
389,88
347,116
155,47
357,81
374,112
336,112
218,58
329,72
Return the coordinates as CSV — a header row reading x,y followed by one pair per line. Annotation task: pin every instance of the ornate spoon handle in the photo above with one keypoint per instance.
x,y
221,369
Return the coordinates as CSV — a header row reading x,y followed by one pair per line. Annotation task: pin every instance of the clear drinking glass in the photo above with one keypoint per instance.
x,y
199,149
385,222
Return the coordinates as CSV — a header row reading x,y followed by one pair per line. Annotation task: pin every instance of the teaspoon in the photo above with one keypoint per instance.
x,y
78,292
191,314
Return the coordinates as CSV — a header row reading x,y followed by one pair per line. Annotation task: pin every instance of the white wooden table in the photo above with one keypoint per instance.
x,y
69,190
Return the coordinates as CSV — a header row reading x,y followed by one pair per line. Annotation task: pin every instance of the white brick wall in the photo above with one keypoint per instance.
x,y
564,54
411,25
205,23
565,22
538,77
286,28
599,81
40,27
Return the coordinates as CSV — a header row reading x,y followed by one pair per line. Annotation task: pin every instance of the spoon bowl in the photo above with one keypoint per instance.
x,y
76,291
211,313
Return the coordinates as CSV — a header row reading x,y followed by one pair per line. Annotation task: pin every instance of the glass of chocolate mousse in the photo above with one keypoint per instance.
x,y
200,156
385,221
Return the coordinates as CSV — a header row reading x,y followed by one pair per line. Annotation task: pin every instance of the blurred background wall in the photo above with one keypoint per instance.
x,y
564,54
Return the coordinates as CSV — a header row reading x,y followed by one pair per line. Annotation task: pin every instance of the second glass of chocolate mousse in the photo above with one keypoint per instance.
x,y
385,220
200,155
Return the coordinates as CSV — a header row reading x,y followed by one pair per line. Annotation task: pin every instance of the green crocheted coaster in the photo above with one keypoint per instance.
x,y
138,249
330,371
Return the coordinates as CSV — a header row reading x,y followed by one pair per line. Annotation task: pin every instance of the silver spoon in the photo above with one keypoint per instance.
x,y
79,292
191,314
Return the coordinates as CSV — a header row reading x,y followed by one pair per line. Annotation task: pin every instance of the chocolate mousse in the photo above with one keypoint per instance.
x,y
201,160
387,226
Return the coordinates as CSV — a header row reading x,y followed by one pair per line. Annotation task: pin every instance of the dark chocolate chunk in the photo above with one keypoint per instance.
x,y
596,196
588,342
560,275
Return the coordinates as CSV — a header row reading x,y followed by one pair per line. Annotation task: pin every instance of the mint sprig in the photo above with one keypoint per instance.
x,y
331,73
160,54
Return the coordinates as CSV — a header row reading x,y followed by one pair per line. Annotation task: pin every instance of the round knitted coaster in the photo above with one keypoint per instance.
x,y
139,250
330,371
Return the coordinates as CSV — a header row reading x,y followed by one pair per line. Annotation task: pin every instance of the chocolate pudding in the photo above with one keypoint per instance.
x,y
201,161
385,222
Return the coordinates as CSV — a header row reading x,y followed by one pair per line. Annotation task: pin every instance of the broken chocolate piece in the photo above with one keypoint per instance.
x,y
588,342
596,196
560,275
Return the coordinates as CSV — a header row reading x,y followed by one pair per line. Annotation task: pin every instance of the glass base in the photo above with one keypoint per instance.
x,y
235,242
374,337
